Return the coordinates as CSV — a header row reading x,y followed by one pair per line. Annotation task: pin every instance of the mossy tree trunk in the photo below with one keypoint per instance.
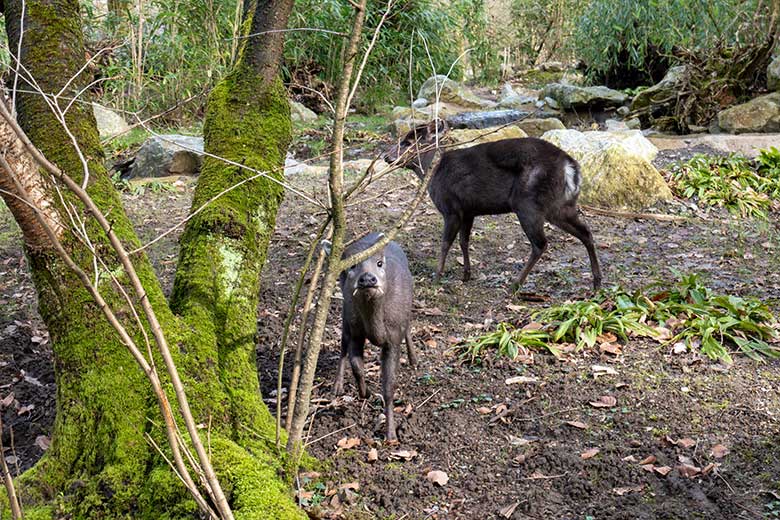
x,y
100,464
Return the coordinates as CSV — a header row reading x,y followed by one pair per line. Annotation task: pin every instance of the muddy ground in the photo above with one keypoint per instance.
x,y
509,450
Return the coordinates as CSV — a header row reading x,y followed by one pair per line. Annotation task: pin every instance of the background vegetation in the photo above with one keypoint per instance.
x,y
152,55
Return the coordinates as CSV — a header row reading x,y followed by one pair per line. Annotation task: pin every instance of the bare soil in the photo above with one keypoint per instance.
x,y
508,449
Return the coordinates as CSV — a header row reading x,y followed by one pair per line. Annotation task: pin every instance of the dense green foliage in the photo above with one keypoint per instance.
x,y
743,187
543,28
625,42
186,48
688,312
413,30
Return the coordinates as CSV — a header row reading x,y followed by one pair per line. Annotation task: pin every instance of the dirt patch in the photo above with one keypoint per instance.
x,y
505,447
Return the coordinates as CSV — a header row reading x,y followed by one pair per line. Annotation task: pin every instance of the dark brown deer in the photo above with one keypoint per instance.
x,y
534,179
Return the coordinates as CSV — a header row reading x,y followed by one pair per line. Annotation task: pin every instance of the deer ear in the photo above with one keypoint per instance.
x,y
326,246
438,126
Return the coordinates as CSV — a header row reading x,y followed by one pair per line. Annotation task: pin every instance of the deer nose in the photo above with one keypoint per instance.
x,y
366,280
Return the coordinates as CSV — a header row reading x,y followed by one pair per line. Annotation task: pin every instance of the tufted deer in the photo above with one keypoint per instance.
x,y
378,295
534,179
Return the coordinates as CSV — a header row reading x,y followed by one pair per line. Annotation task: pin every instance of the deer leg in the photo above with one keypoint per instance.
x,y
356,346
410,353
338,385
533,226
465,235
568,221
451,227
390,353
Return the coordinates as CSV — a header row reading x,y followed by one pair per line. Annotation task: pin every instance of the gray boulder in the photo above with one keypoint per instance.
x,y
165,155
485,119
773,74
617,167
300,113
758,115
451,92
109,123
575,97
511,98
661,92
537,127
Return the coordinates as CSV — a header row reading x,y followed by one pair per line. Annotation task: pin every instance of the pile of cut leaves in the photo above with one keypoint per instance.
x,y
688,315
744,187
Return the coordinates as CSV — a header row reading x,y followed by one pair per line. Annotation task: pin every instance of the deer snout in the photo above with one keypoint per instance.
x,y
366,281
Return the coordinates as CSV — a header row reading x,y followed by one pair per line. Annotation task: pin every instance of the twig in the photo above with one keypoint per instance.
x,y
16,509
315,441
545,477
417,407
631,214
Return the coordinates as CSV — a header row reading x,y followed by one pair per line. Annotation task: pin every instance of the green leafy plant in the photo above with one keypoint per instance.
x,y
732,181
688,312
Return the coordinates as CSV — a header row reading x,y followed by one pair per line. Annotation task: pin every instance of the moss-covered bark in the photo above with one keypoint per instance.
x,y
99,464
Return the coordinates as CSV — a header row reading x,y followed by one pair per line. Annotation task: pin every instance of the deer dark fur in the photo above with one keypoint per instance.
x,y
378,294
534,179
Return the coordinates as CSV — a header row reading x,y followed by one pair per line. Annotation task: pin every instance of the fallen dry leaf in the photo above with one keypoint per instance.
x,y
520,459
589,453
662,470
607,337
533,326
25,409
647,467
403,454
688,471
347,443
601,370
650,459
610,348
605,401
620,491
514,308
686,443
664,334
430,343
483,410
709,467
43,442
679,348
354,486
577,424
630,458
521,380
373,455
509,510
7,401
719,451
438,477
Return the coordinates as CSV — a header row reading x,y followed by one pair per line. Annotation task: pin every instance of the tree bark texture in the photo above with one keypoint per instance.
x,y
99,464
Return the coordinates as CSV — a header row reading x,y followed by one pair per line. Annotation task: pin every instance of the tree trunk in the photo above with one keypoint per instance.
x,y
100,464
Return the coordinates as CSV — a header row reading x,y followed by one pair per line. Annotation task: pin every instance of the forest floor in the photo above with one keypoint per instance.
x,y
509,450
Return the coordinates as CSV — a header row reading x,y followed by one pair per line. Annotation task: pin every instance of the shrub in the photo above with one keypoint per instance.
x,y
743,187
688,312
625,43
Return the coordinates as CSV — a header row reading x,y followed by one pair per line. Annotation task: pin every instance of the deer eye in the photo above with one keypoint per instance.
x,y
380,263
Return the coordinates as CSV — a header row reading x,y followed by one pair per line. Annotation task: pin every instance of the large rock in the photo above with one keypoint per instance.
x,y
537,127
406,118
773,74
616,167
451,92
109,123
575,97
465,138
486,119
749,145
661,92
758,115
300,113
165,155
512,98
